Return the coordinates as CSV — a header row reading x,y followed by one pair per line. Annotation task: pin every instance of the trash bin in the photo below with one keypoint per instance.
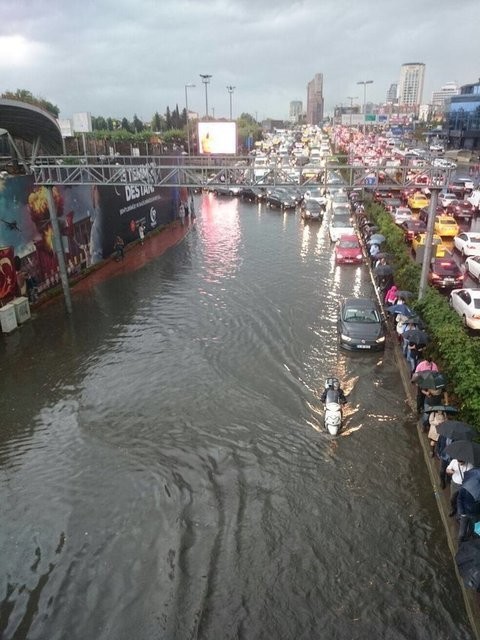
x,y
22,309
8,319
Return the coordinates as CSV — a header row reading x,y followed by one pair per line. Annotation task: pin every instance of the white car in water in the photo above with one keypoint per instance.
x,y
472,266
467,243
466,302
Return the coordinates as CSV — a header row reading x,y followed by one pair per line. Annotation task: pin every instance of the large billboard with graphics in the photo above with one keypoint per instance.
x,y
217,137
89,217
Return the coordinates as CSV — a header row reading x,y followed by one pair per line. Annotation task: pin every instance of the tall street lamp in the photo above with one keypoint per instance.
x,y
206,79
365,82
230,90
188,86
351,98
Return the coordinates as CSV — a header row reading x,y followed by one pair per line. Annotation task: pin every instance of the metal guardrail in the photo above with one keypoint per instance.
x,y
201,172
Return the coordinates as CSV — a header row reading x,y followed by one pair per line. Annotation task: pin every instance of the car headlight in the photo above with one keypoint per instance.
x,y
346,338
359,256
382,339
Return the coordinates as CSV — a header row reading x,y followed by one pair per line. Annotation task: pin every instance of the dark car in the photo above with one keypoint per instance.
x,y
280,199
360,325
312,210
410,228
423,213
445,274
391,204
461,210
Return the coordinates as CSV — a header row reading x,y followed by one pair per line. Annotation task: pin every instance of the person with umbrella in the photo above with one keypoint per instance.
x,y
456,469
374,249
391,295
468,497
435,418
450,431
426,364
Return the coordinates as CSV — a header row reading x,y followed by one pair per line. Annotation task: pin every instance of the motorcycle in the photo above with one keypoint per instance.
x,y
333,398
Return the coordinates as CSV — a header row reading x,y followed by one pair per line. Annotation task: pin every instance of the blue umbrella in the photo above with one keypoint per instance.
x,y
400,308
377,238
468,562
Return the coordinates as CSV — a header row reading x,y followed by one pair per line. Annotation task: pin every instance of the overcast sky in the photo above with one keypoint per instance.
x,y
124,57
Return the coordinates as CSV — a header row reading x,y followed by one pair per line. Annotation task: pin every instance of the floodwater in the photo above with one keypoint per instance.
x,y
163,469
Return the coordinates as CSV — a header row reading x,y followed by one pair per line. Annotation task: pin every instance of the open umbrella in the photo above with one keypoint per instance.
x,y
399,308
383,270
416,335
404,294
471,478
431,380
446,408
377,238
455,429
467,451
467,559
382,254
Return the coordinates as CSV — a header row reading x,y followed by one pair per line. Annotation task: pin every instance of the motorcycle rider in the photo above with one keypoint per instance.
x,y
333,392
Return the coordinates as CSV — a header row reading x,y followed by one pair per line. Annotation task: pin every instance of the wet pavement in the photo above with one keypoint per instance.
x,y
163,467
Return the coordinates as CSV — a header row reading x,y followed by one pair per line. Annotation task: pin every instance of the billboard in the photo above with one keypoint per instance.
x,y
217,137
82,122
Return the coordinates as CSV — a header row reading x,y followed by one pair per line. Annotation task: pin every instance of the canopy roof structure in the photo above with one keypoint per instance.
x,y
23,121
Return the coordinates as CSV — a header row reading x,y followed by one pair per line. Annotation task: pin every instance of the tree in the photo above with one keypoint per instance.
x,y
168,118
138,125
26,96
126,125
158,122
99,124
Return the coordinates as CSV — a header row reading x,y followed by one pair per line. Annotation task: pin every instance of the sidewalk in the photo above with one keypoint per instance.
x,y
442,496
137,255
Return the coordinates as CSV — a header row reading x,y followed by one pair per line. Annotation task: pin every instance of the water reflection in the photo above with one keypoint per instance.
x,y
221,235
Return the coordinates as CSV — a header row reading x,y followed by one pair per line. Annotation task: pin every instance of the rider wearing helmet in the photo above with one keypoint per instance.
x,y
333,390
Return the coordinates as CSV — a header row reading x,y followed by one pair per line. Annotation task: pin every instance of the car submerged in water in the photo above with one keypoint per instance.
x,y
360,325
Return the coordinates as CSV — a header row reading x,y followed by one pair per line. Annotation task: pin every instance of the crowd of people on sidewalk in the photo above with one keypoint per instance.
x,y
450,440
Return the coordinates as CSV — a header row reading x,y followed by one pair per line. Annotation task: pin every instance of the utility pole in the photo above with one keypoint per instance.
x,y
230,90
188,86
206,80
427,256
365,82
351,106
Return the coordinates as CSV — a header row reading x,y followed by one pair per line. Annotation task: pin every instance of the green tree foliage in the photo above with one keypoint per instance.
x,y
26,96
137,124
126,125
456,352
99,124
158,122
175,136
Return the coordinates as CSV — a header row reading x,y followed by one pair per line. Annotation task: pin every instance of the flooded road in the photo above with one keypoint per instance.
x,y
164,473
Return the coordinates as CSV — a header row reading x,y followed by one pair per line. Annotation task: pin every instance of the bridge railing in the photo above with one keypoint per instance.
x,y
214,172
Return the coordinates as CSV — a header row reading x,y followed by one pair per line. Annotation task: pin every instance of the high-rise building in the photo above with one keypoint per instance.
x,y
296,109
447,91
392,94
410,85
315,100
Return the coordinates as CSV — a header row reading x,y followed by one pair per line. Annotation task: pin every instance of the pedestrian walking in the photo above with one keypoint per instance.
x,y
118,246
141,232
181,214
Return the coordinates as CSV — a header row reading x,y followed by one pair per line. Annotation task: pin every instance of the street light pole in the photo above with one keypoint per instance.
x,y
351,106
206,79
188,86
365,82
230,90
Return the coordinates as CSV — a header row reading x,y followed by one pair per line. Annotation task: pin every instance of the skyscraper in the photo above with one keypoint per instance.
x,y
296,108
410,85
447,91
315,100
392,94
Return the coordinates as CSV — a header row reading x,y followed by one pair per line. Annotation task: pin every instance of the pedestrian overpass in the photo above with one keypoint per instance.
x,y
201,172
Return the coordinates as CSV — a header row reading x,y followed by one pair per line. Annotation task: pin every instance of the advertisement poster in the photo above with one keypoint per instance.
x,y
89,219
217,137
